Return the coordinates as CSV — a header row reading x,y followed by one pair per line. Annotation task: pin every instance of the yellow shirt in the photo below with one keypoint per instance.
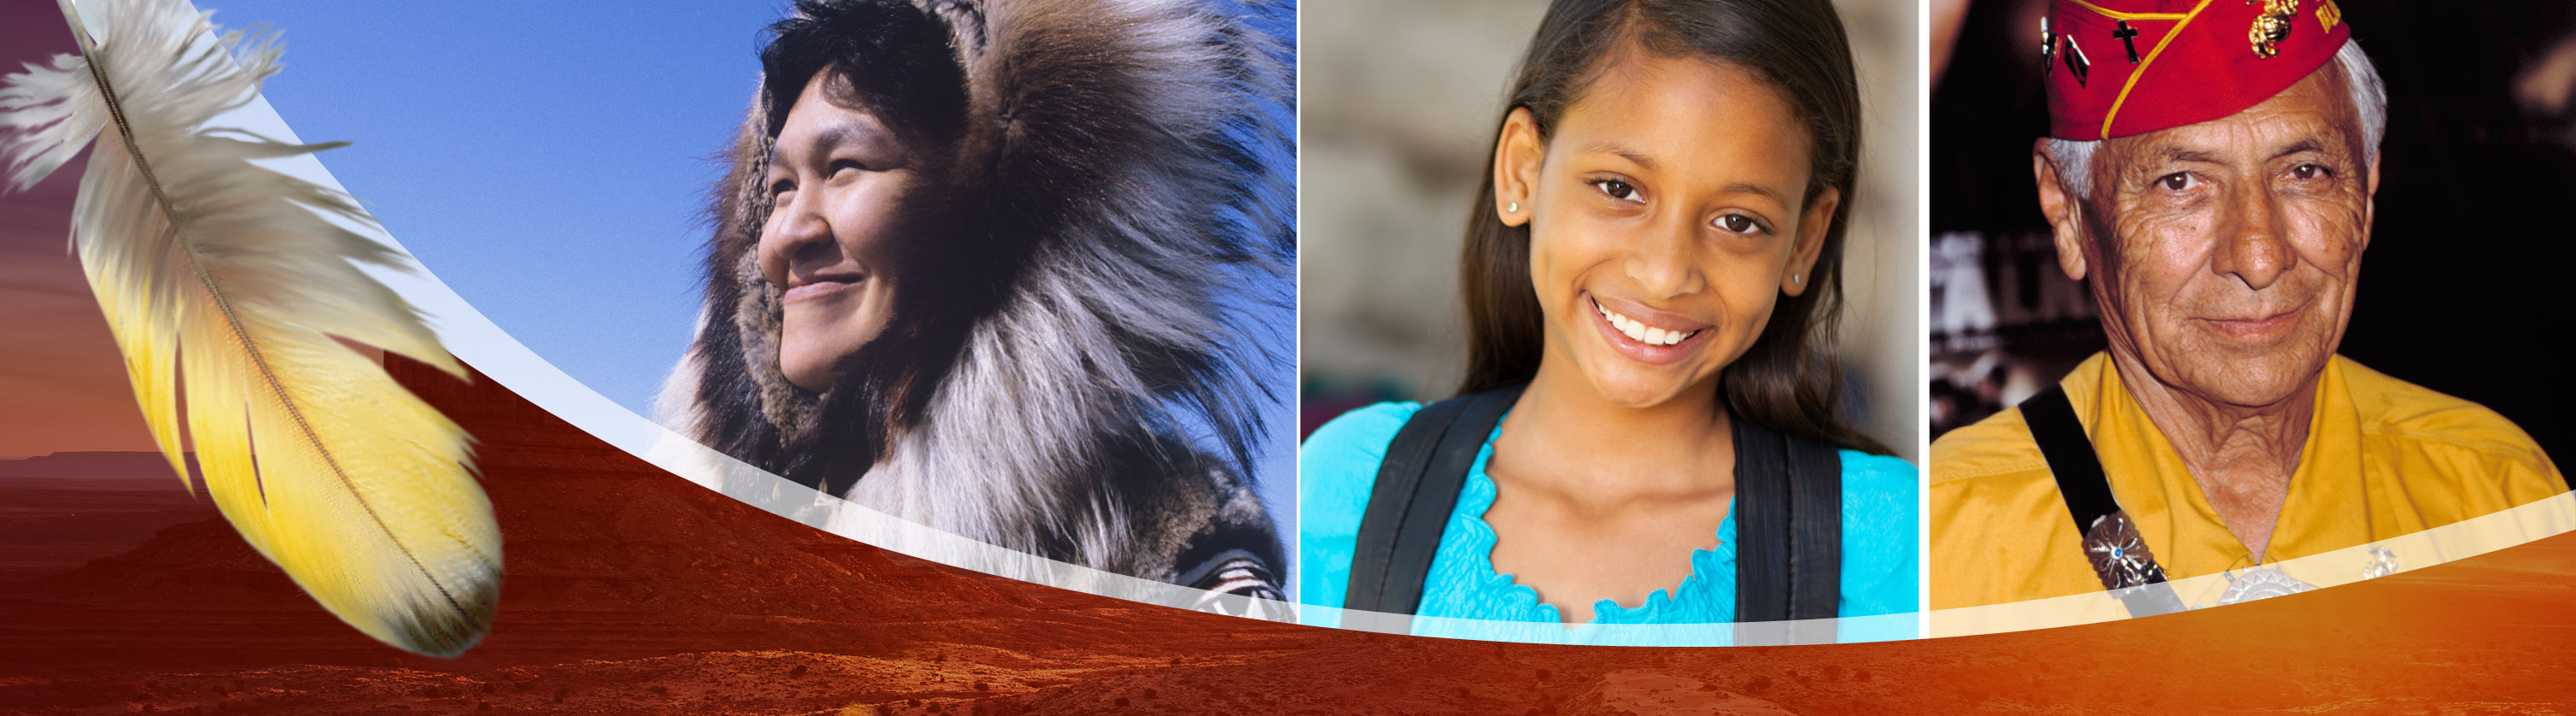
x,y
2383,458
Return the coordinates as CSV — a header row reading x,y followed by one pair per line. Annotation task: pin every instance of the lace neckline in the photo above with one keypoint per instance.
x,y
1699,598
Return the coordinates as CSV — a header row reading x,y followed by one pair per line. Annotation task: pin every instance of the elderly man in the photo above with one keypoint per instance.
x,y
2210,168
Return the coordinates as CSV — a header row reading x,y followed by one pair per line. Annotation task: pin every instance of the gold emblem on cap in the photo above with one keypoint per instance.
x,y
2328,14
2272,26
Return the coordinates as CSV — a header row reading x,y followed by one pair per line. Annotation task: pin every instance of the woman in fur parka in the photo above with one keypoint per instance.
x,y
967,266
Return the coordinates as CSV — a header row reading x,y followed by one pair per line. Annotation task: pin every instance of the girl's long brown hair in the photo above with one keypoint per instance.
x,y
1790,380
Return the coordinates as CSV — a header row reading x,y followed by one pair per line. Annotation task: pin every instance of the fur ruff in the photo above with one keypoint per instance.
x,y
1114,149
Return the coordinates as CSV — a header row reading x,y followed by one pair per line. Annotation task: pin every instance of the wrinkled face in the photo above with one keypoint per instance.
x,y
839,177
1666,217
2226,251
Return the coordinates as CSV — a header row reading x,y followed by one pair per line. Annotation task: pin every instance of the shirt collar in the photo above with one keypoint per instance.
x,y
2327,506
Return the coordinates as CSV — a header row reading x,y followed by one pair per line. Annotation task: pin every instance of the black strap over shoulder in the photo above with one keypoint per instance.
x,y
1417,487
2110,542
1788,502
2062,442
1789,530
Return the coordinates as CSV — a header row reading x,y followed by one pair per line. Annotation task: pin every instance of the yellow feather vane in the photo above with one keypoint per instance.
x,y
225,284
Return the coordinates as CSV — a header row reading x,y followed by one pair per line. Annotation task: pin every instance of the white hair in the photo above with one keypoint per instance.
x,y
2074,159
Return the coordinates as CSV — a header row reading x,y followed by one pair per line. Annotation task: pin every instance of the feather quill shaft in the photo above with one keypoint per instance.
x,y
227,286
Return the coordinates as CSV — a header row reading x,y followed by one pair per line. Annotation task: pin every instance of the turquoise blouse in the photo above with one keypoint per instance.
x,y
1338,466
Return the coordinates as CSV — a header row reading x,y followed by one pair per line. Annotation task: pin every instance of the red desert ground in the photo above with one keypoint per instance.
x,y
633,591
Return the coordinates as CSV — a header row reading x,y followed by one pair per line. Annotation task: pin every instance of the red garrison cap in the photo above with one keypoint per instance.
x,y
2122,67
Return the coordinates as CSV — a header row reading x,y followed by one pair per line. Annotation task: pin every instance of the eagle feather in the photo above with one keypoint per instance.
x,y
230,288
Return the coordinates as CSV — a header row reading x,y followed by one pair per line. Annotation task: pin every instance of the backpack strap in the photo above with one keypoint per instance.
x,y
1789,525
1789,536
2111,543
1417,487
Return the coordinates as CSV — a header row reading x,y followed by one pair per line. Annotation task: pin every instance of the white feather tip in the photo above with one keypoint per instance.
x,y
227,285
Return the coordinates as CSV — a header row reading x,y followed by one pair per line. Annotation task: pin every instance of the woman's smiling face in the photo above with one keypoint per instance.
x,y
839,177
1666,217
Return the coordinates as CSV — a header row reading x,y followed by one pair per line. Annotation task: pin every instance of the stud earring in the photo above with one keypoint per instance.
x,y
1798,278
1515,208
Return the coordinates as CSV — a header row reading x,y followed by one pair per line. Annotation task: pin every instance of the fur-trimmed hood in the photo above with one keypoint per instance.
x,y
1119,171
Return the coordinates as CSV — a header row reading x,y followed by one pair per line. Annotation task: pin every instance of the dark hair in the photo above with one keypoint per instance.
x,y
897,62
892,60
1790,380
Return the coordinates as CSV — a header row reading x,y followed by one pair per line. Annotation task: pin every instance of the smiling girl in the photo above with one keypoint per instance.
x,y
1647,431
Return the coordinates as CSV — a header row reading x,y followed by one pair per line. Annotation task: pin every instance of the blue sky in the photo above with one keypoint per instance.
x,y
546,160
549,161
